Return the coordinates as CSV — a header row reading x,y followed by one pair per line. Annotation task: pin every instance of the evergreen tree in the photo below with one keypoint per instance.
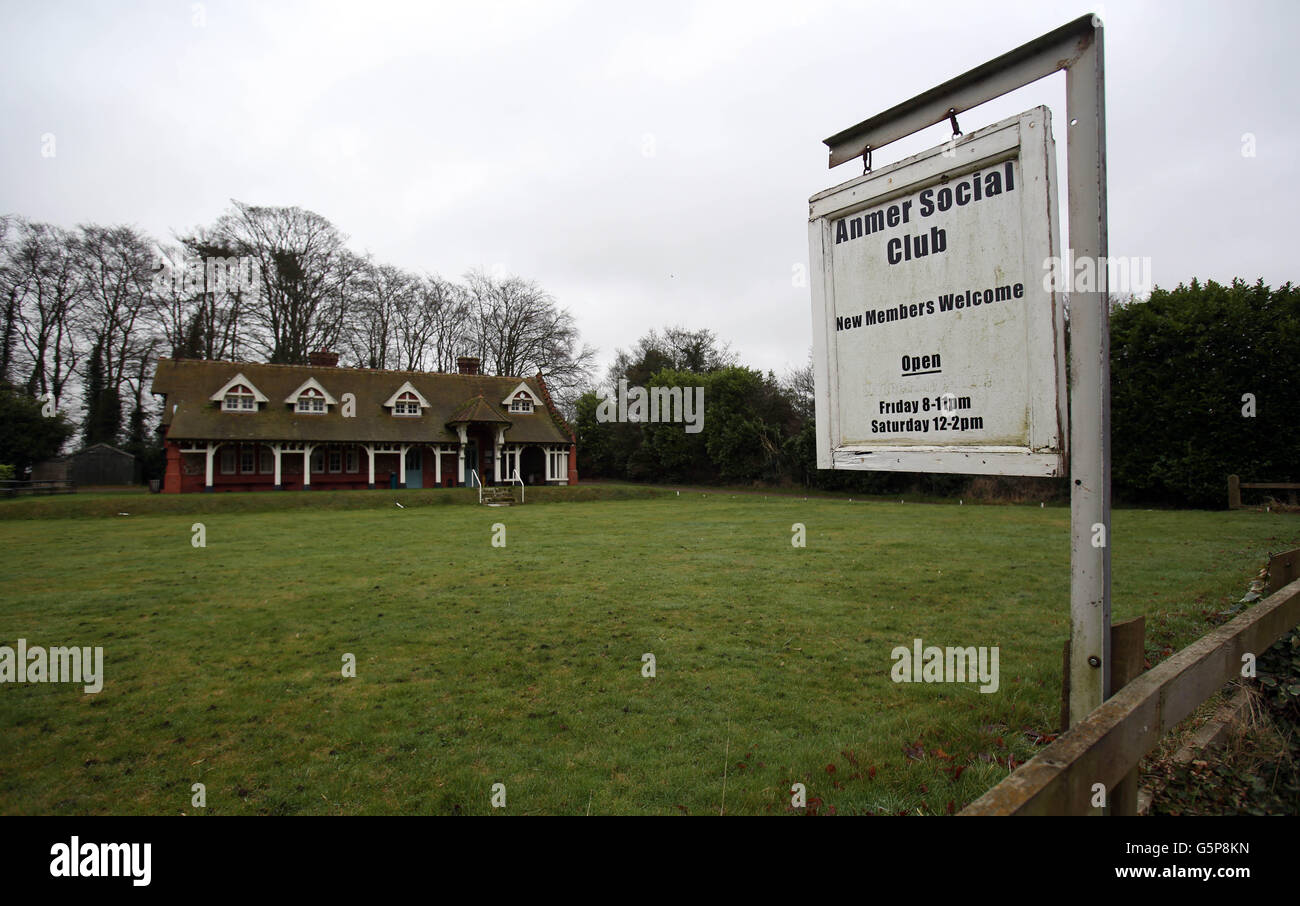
x,y
103,404
27,434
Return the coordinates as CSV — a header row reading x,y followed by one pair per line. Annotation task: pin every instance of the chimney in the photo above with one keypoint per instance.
x,y
323,358
466,364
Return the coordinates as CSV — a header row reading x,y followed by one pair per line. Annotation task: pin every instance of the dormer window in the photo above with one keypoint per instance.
x,y
406,404
238,395
521,399
310,400
239,398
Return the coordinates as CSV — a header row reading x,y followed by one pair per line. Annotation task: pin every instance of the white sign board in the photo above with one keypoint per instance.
x,y
938,337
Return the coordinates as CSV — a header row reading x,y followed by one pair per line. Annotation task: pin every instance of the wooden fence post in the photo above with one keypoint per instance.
x,y
1108,744
1065,687
1128,653
1234,492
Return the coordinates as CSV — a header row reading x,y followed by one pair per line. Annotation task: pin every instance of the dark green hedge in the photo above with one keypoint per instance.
x,y
1181,364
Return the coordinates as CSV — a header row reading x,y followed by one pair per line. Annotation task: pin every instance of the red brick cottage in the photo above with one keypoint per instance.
x,y
242,426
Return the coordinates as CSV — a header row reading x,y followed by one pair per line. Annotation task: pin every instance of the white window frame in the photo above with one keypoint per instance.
x,y
318,461
247,456
315,402
407,406
352,460
235,383
403,391
521,399
311,389
557,464
239,399
266,460
334,459
228,462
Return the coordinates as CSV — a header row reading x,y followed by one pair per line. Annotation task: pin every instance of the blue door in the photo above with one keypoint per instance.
x,y
471,462
414,468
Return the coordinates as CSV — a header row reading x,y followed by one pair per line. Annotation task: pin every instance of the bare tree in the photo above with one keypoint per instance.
x,y
204,291
678,349
193,318
10,301
698,351
382,298
137,382
433,332
304,270
43,286
800,386
517,329
173,308
116,265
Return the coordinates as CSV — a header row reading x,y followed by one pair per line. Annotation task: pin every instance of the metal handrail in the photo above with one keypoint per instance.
x,y
477,481
515,478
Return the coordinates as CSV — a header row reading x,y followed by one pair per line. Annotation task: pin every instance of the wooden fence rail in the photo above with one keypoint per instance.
x,y
57,486
1110,742
1235,485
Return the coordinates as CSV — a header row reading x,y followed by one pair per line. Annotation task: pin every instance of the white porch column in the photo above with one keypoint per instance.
x,y
207,480
275,454
437,464
496,455
460,457
370,459
306,466
401,467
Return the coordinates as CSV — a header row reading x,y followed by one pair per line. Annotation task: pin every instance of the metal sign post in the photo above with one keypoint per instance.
x,y
1076,48
1090,656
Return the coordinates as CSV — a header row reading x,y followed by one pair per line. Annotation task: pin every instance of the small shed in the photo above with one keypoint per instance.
x,y
102,464
57,469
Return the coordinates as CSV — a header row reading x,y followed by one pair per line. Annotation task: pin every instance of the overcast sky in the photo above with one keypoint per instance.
x,y
648,163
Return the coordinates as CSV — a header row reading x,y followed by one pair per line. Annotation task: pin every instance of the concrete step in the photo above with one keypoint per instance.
x,y
498,496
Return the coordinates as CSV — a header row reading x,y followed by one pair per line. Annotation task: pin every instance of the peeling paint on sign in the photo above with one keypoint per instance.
x,y
937,347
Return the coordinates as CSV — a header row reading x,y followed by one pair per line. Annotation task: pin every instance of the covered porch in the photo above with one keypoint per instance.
x,y
223,465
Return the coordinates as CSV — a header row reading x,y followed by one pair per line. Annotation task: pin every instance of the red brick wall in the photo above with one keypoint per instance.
x,y
172,474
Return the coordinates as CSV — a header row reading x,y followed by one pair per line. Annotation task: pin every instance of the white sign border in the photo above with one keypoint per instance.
x,y
1046,454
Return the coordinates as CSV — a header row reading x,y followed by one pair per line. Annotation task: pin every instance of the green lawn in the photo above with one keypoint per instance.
x,y
523,665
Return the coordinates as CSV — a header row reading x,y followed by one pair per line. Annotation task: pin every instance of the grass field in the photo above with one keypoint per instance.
x,y
522,665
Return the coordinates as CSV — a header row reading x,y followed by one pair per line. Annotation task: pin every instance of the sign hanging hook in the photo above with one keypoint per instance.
x,y
866,160
952,118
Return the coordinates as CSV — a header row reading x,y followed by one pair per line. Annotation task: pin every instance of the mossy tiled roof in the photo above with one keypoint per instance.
x,y
190,414
478,410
